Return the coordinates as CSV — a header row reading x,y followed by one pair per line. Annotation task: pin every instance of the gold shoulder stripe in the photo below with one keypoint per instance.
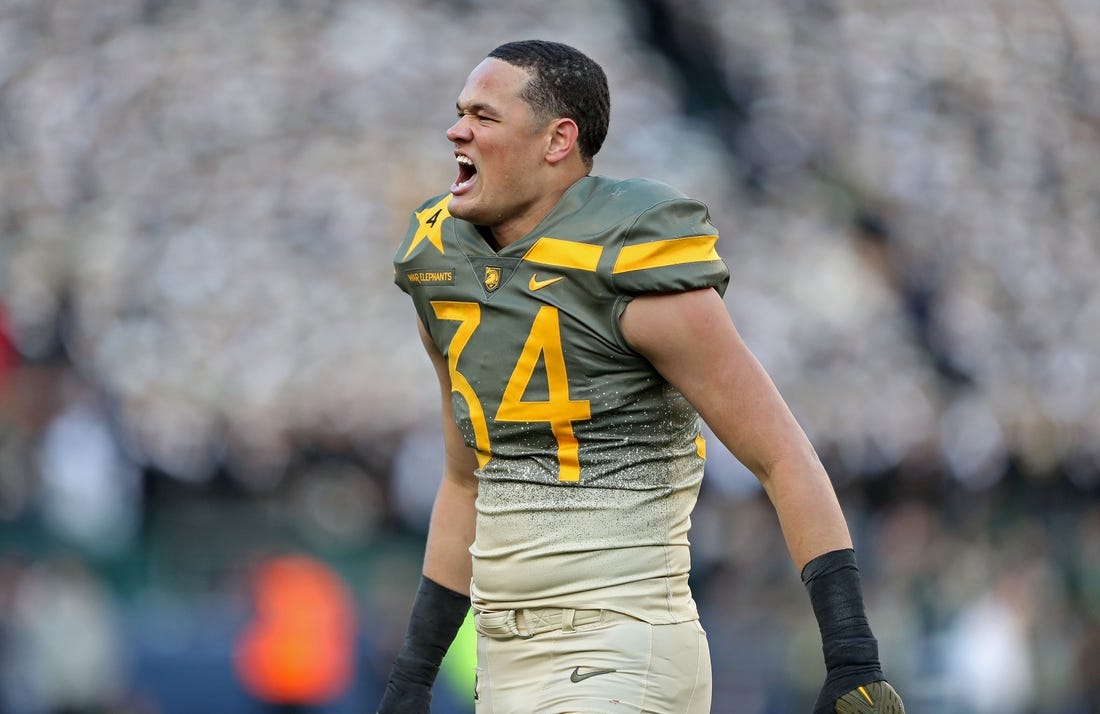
x,y
565,254
663,253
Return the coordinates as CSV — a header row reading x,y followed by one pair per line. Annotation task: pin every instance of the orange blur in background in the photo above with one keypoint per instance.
x,y
299,647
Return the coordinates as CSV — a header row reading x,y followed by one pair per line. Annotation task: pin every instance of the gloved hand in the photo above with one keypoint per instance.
x,y
854,683
875,698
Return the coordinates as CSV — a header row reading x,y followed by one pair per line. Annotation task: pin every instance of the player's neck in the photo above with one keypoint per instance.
x,y
509,231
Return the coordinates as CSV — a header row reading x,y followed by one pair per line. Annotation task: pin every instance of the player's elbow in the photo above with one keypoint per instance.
x,y
796,461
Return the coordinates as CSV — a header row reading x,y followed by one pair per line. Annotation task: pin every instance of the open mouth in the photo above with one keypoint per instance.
x,y
467,173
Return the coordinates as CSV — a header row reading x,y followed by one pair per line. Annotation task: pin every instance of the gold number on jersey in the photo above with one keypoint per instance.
x,y
557,409
468,315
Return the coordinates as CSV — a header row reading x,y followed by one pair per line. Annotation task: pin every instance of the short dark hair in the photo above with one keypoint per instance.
x,y
564,82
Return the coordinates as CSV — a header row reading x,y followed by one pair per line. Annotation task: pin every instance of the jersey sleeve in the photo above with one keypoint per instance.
x,y
671,247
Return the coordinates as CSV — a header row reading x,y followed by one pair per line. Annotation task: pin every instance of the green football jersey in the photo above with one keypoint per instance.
x,y
590,462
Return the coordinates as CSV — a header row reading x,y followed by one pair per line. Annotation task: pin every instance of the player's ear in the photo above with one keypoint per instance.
x,y
561,139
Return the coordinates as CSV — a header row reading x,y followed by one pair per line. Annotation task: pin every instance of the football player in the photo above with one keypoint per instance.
x,y
578,332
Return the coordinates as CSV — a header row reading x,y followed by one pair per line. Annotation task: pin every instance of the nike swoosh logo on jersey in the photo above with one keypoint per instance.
x,y
537,284
576,676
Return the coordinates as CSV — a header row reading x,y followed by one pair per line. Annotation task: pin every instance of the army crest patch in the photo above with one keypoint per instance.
x,y
492,277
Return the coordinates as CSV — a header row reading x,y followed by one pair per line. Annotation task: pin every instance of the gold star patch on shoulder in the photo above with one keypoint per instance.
x,y
431,226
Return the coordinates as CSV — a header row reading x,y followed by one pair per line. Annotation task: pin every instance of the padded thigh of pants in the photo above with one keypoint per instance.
x,y
617,666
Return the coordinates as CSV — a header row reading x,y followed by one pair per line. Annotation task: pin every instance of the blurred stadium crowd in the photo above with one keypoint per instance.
x,y
204,363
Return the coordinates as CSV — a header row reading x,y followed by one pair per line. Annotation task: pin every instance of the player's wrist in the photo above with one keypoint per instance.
x,y
848,645
400,698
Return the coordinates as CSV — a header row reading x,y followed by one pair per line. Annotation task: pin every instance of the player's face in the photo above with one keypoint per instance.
x,y
500,152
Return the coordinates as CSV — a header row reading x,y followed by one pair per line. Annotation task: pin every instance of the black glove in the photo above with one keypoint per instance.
x,y
416,700
850,649
437,613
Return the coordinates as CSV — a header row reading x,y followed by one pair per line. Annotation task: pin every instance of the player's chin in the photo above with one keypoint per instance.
x,y
464,208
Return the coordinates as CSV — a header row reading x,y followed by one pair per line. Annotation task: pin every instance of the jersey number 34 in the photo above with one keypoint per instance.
x,y
558,410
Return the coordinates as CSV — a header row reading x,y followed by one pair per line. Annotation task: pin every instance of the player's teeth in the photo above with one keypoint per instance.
x,y
465,160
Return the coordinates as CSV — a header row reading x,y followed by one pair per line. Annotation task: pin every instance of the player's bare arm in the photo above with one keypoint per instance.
x,y
443,598
691,340
451,531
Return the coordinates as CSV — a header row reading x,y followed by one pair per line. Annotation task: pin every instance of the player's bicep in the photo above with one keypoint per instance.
x,y
691,340
460,460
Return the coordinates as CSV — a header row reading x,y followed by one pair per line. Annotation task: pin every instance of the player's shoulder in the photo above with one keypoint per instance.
x,y
649,200
636,195
425,228
644,206
667,243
